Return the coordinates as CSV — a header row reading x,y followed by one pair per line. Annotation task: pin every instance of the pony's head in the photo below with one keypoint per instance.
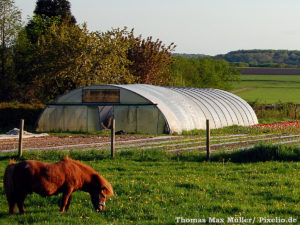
x,y
99,195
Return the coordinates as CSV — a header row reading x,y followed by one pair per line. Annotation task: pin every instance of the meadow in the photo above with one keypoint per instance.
x,y
156,187
269,89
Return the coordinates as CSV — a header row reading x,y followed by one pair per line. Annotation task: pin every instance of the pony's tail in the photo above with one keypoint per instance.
x,y
107,188
8,181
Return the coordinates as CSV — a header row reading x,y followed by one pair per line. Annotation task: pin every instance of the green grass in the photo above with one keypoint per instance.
x,y
236,130
269,89
154,187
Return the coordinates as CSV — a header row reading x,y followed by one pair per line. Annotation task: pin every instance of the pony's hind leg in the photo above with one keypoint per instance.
x,y
20,203
12,207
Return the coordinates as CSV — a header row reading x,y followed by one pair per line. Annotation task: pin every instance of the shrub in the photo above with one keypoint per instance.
x,y
11,113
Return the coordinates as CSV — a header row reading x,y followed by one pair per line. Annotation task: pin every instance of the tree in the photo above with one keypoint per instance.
x,y
39,25
46,13
68,56
150,59
10,24
54,8
203,73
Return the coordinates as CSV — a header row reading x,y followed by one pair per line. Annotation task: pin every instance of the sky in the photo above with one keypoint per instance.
x,y
208,27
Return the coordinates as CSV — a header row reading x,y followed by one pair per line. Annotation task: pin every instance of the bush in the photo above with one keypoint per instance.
x,y
12,112
279,111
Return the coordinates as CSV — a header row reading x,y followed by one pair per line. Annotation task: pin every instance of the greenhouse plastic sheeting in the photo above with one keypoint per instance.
x,y
145,108
189,108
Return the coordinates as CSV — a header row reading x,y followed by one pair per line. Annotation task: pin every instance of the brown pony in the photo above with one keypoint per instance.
x,y
48,179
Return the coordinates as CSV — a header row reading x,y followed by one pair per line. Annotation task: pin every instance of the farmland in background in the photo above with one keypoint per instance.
x,y
269,89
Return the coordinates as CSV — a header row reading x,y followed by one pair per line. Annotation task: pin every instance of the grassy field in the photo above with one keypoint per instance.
x,y
154,187
269,89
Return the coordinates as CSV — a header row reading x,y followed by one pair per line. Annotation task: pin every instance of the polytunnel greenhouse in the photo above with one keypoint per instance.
x,y
141,108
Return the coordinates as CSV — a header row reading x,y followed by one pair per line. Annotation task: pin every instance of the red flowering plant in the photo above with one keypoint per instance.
x,y
289,127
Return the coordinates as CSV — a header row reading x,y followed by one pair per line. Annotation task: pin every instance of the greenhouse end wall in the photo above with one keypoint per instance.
x,y
69,118
144,119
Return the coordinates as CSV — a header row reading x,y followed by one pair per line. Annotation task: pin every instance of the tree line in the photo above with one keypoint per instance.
x,y
263,58
53,54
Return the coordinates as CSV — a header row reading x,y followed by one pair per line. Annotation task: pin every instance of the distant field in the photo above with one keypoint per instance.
x,y
269,88
270,71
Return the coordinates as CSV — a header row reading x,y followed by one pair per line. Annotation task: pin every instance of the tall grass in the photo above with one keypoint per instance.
x,y
259,153
276,112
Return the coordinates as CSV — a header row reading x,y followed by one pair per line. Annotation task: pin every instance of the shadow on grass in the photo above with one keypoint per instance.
x,y
4,215
187,186
264,153
6,157
260,153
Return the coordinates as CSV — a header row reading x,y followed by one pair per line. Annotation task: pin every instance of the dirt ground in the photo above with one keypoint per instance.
x,y
55,141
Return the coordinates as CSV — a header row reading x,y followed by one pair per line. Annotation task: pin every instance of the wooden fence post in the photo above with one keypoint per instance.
x,y
20,148
113,137
207,140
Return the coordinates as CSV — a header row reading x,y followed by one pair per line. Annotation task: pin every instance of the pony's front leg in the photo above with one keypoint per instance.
x,y
68,204
65,199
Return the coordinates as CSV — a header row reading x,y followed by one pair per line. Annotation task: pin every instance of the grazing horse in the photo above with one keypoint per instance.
x,y
48,179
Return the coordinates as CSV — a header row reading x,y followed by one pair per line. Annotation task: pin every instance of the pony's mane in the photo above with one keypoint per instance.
x,y
81,165
108,190
12,161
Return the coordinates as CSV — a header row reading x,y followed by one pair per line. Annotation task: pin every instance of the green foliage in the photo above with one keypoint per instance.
x,y
204,73
279,111
10,24
185,55
39,25
68,56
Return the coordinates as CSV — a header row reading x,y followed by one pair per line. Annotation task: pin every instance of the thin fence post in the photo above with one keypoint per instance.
x,y
207,141
113,137
20,148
